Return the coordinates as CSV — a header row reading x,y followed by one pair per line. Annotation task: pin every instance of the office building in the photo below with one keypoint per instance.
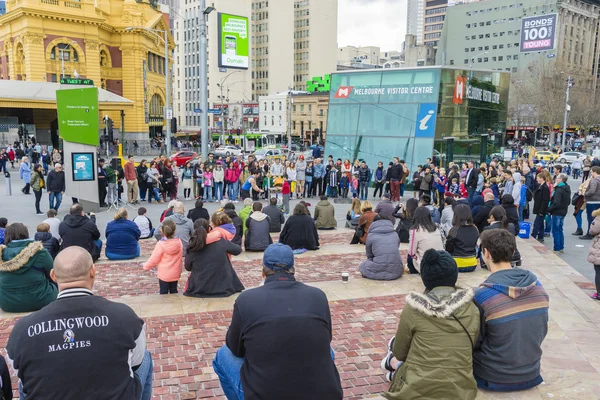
x,y
409,113
435,12
351,55
224,85
293,41
415,14
416,55
487,34
90,39
309,117
274,113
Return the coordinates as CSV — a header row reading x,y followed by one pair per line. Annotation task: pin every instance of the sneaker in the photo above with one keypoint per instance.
x,y
40,213
389,376
595,296
540,240
391,344
586,237
385,363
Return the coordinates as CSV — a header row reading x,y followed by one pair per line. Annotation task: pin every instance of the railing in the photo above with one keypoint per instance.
x,y
51,2
71,4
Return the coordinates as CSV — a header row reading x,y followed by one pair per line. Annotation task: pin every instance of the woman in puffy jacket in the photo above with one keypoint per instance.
x,y
383,252
594,253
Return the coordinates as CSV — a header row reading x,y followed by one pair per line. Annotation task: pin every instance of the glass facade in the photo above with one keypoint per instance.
x,y
377,115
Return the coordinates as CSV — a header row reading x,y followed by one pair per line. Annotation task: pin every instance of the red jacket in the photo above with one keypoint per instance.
x,y
285,189
129,170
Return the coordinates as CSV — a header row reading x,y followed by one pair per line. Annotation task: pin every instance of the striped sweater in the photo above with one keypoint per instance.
x,y
514,322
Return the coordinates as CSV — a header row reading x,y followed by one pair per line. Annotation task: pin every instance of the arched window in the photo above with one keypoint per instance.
x,y
156,106
63,51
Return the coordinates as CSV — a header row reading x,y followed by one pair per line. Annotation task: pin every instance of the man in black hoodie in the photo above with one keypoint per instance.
x,y
483,214
55,184
395,176
296,323
79,230
541,198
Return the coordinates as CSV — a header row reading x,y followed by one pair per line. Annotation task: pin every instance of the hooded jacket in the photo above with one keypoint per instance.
x,y
258,237
244,214
25,276
300,232
184,229
212,274
594,252
239,228
561,198
383,253
79,230
276,216
511,213
50,243
516,189
325,215
592,193
166,256
541,198
436,349
514,322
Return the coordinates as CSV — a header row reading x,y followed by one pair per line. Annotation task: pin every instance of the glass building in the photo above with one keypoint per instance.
x,y
455,114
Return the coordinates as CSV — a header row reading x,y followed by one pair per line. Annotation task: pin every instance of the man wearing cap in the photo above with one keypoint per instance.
x,y
278,343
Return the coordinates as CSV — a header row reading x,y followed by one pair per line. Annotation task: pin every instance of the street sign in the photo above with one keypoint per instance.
x,y
221,69
197,110
78,115
76,81
214,111
169,113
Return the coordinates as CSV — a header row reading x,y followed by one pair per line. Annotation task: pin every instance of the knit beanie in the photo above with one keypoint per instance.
x,y
438,268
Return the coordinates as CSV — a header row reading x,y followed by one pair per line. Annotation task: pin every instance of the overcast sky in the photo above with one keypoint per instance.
x,y
372,23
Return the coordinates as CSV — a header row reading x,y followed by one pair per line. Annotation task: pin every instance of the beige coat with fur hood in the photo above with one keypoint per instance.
x,y
594,254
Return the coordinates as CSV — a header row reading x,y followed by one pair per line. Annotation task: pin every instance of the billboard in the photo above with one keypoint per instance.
x,y
83,167
234,41
538,33
78,115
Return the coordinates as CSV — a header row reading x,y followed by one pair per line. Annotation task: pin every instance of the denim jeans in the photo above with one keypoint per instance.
x,y
227,367
55,200
233,189
364,190
589,209
520,211
548,221
156,195
507,387
208,193
578,219
538,228
557,232
470,194
143,374
219,191
307,189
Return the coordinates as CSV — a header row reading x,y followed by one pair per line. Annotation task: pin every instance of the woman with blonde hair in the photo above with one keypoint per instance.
x,y
364,223
25,174
353,214
122,237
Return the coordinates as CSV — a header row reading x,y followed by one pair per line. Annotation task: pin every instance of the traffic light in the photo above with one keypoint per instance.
x,y
109,129
173,125
20,132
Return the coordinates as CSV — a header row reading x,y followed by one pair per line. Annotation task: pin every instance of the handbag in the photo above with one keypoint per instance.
x,y
575,199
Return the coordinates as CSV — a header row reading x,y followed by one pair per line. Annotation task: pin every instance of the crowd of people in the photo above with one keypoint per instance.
x,y
459,218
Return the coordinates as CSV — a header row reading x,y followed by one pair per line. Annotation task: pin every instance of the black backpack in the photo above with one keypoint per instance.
x,y
529,194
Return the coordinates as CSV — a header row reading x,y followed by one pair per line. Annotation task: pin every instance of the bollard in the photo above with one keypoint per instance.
x,y
7,184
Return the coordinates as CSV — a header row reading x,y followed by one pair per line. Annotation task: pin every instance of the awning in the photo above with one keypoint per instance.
x,y
25,94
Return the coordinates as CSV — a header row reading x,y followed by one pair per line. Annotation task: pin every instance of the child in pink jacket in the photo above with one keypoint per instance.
x,y
167,256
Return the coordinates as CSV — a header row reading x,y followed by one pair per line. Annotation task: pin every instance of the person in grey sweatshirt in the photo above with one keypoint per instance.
x,y
184,225
514,319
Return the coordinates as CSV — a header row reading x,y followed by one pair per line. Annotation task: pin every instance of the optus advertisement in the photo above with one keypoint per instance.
x,y
233,41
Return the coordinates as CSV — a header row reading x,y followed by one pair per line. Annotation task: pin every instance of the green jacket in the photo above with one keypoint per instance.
x,y
25,276
36,181
244,214
436,350
111,174
325,215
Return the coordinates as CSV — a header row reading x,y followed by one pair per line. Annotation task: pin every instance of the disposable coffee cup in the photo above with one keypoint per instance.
x,y
345,277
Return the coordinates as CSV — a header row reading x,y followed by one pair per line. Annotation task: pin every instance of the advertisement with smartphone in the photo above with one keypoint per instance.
x,y
233,41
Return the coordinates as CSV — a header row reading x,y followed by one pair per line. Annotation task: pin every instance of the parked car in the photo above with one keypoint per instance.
x,y
269,154
227,151
182,157
546,156
570,156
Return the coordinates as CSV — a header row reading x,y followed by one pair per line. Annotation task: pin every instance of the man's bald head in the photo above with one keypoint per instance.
x,y
73,264
488,197
179,208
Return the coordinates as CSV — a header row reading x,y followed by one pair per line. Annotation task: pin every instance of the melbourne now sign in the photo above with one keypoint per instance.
x,y
538,33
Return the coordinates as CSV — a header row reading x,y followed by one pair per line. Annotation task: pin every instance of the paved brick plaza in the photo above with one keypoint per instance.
x,y
184,333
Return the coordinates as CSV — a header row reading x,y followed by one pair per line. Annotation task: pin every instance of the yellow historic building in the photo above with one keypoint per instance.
x,y
44,40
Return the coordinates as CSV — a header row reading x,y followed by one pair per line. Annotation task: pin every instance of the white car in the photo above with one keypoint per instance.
x,y
570,156
228,151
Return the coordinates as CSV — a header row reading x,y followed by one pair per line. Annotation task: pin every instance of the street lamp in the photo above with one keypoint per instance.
x,y
220,85
203,78
167,113
570,83
472,59
62,56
